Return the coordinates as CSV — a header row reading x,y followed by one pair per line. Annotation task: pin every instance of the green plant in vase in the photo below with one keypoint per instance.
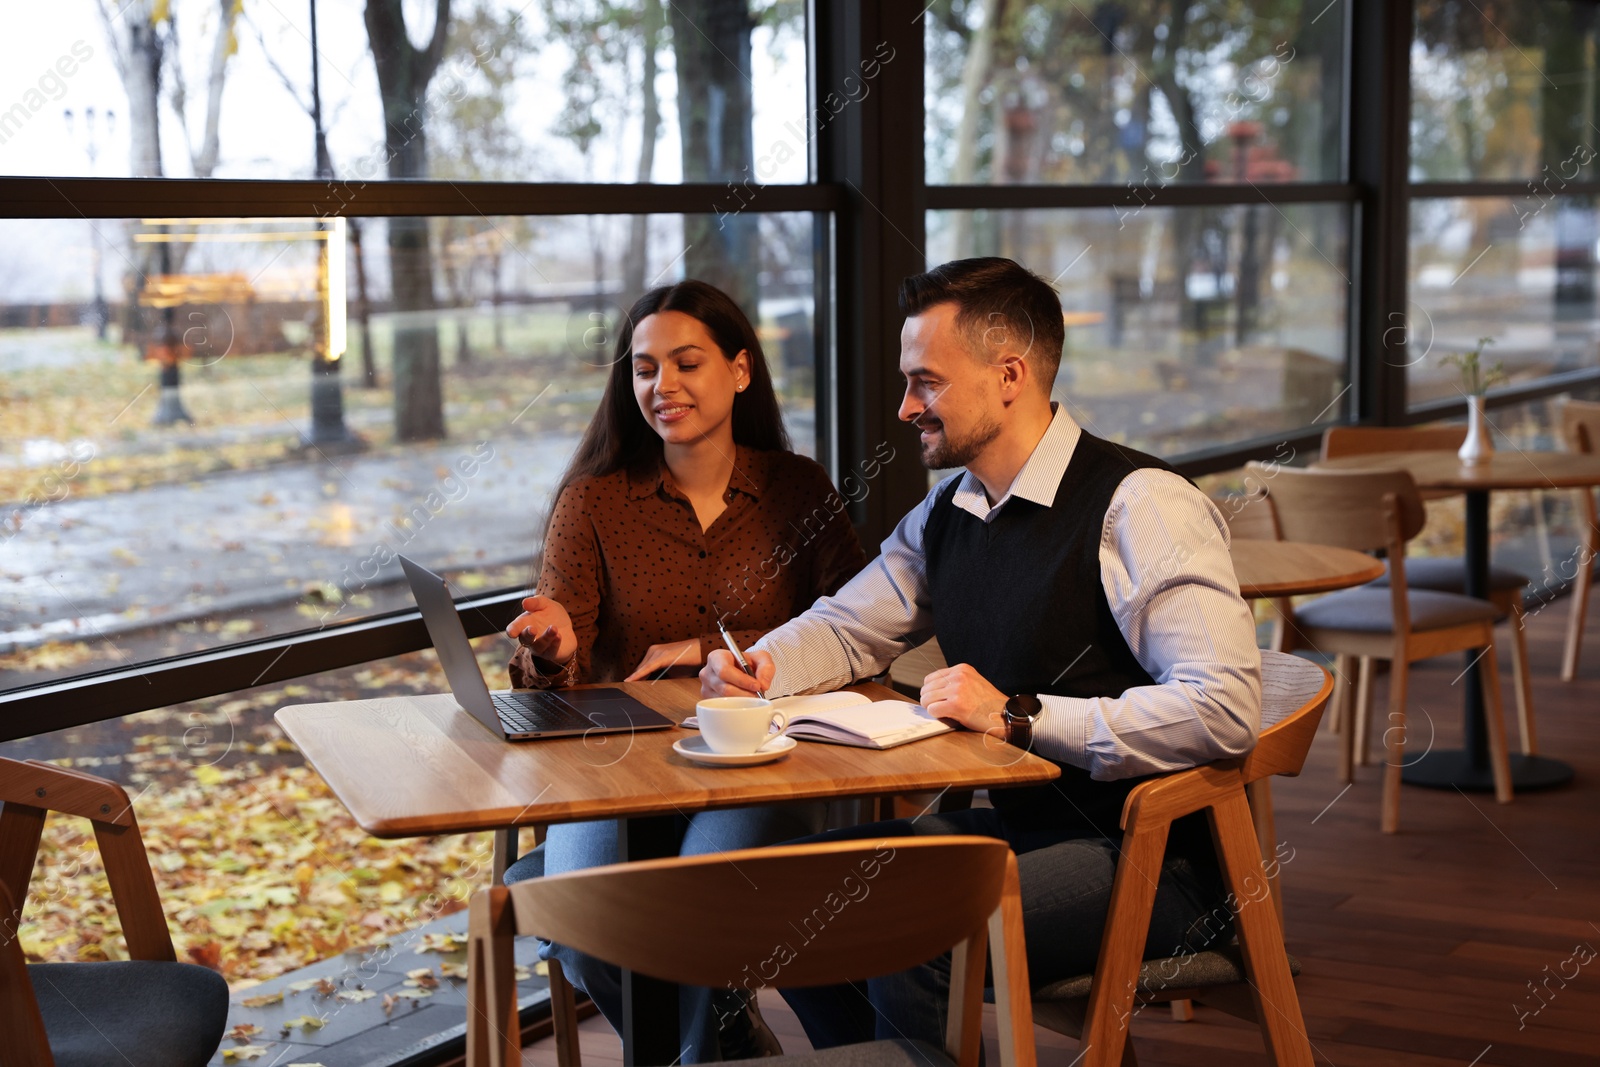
x,y
1476,381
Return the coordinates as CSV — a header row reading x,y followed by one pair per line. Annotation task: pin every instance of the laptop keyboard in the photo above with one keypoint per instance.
x,y
535,711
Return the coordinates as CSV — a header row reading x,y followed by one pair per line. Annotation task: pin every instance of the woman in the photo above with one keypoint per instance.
x,y
683,506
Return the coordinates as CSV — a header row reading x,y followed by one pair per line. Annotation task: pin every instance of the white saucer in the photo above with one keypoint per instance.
x,y
695,748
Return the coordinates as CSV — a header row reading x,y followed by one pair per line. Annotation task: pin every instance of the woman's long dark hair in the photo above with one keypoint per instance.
x,y
618,438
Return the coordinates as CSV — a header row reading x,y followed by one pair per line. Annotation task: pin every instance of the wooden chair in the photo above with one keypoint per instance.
x,y
148,1010
718,920
1443,574
1253,980
1580,431
1372,510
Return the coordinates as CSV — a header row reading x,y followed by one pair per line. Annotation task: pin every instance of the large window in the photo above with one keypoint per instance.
x,y
1064,93
1503,235
1187,202
554,90
251,442
1186,328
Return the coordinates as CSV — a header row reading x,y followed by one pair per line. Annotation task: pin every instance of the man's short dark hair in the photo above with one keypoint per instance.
x,y
998,303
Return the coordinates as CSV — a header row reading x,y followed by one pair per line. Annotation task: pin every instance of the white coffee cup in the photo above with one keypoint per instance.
x,y
738,725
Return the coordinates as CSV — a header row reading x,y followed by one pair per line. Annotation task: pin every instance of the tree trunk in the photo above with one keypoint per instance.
x,y
497,297
711,46
1188,224
205,160
974,76
418,399
456,266
404,72
143,83
633,280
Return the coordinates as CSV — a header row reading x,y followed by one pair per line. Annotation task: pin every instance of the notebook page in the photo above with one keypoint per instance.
x,y
818,702
877,720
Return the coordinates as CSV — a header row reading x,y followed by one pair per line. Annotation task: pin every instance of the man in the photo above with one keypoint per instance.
x,y
1084,596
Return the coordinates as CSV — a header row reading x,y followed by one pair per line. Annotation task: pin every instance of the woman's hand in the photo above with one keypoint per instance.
x,y
672,654
545,627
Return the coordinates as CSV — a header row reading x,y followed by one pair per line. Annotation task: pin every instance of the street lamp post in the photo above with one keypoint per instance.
x,y
327,391
99,311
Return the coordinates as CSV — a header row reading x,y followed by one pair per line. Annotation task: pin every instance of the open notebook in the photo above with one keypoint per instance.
x,y
851,719
846,718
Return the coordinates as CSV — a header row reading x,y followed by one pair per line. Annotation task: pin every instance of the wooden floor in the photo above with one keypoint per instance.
x,y
1417,948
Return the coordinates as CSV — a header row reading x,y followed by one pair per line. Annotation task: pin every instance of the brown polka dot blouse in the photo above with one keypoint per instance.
x,y
627,558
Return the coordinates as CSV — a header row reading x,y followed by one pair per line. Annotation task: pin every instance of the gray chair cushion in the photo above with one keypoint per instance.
x,y
130,1014
1213,967
1369,610
897,1053
529,866
1448,574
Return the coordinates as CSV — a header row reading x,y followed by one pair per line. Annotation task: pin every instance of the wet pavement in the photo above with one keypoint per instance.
x,y
319,532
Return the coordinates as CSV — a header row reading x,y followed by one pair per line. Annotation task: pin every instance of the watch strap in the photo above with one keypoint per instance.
x,y
1020,711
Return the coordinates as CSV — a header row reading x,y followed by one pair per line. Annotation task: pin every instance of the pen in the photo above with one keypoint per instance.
x,y
744,665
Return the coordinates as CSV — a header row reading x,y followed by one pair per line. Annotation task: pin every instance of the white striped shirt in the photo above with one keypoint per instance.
x,y
1169,581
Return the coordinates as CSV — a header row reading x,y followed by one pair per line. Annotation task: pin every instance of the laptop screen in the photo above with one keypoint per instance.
x,y
450,642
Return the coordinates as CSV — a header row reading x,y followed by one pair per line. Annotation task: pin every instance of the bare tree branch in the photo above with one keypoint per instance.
x,y
288,85
117,54
435,51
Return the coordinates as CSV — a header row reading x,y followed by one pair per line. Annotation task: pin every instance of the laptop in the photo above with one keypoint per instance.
x,y
517,714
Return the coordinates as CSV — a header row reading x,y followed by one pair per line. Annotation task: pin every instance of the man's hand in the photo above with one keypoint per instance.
x,y
964,696
672,654
721,676
545,627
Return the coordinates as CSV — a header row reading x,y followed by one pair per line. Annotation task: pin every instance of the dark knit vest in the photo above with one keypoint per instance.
x,y
1021,599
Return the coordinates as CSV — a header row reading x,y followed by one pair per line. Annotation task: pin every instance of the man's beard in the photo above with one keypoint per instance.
x,y
947,453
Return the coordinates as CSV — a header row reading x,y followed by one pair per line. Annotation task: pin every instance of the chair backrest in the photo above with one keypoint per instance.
x,y
1346,509
30,789
793,915
1363,440
1293,693
1248,514
754,900
1580,425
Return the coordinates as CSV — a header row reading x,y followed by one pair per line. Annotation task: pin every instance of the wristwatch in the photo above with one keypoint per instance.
x,y
1020,711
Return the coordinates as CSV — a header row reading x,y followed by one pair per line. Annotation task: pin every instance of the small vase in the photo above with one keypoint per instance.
x,y
1478,446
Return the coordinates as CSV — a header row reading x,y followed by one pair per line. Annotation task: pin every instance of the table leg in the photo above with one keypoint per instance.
x,y
505,851
649,1005
1468,767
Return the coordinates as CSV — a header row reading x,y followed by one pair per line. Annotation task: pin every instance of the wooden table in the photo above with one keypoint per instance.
x,y
1468,767
415,766
1294,568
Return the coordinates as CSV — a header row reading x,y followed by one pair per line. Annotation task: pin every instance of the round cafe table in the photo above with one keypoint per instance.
x,y
1294,568
1468,767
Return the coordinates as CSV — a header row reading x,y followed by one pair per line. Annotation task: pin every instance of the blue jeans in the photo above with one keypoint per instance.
x,y
581,845
1066,891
